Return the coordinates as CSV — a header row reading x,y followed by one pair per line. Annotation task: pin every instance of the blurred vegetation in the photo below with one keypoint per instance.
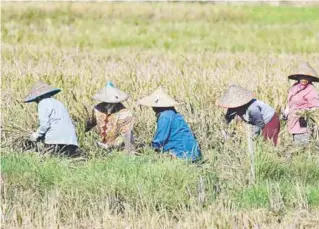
x,y
181,27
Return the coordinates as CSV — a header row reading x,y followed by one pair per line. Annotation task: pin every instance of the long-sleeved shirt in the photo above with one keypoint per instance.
x,y
300,97
115,128
257,113
55,123
174,135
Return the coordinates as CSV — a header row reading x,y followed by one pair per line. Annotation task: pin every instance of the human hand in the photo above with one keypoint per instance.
x,y
286,111
102,145
284,114
303,122
225,134
34,136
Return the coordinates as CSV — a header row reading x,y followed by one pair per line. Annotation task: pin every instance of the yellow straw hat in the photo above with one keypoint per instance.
x,y
235,96
304,70
158,98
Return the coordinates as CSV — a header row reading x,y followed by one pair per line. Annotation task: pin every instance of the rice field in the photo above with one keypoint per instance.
x,y
193,50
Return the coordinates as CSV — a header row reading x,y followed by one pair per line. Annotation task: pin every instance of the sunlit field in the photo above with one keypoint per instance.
x,y
193,50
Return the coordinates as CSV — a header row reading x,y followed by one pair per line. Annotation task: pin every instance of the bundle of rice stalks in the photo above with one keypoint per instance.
x,y
312,119
310,115
17,138
17,128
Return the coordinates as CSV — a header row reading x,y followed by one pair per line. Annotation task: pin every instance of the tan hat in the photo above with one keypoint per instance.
x,y
111,94
305,70
40,89
158,98
235,96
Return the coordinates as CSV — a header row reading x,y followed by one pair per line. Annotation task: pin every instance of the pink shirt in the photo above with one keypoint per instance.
x,y
300,97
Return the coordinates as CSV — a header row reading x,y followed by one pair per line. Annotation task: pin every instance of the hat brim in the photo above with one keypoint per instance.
x,y
149,102
155,105
111,95
298,76
102,99
52,92
218,103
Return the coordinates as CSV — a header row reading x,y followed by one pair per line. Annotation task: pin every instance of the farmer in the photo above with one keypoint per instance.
x,y
56,126
114,122
260,115
173,135
302,96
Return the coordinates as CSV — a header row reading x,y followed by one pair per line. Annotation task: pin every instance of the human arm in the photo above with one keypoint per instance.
x,y
125,122
91,122
162,133
230,115
285,113
44,113
256,119
312,99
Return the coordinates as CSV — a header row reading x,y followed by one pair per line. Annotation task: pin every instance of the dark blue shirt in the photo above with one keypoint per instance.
x,y
174,135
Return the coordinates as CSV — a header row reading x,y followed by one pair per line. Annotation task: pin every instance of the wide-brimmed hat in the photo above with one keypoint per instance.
x,y
111,94
304,70
40,89
235,96
158,98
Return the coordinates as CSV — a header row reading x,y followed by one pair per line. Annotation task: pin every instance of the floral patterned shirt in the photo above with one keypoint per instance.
x,y
113,128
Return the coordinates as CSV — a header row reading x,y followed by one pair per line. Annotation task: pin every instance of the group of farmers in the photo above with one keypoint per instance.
x,y
114,122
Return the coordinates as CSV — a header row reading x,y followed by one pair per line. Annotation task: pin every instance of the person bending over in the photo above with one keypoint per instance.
x,y
173,135
263,118
114,122
56,126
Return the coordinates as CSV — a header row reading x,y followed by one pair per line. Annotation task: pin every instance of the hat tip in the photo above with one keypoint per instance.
x,y
110,84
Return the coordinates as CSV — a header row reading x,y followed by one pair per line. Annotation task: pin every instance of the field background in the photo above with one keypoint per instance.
x,y
195,51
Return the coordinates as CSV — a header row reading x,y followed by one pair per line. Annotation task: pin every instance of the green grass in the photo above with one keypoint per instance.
x,y
156,183
138,181
300,168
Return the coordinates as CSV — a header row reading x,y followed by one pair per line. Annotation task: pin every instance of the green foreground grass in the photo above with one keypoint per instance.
x,y
155,184
120,190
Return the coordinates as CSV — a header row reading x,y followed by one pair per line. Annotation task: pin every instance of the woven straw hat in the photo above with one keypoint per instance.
x,y
305,70
40,89
111,94
158,98
235,96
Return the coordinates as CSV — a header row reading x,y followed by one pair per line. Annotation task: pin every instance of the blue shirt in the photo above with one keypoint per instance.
x,y
55,123
174,135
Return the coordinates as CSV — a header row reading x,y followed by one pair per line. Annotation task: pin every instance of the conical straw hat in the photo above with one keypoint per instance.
x,y
235,96
40,89
158,98
111,94
304,70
